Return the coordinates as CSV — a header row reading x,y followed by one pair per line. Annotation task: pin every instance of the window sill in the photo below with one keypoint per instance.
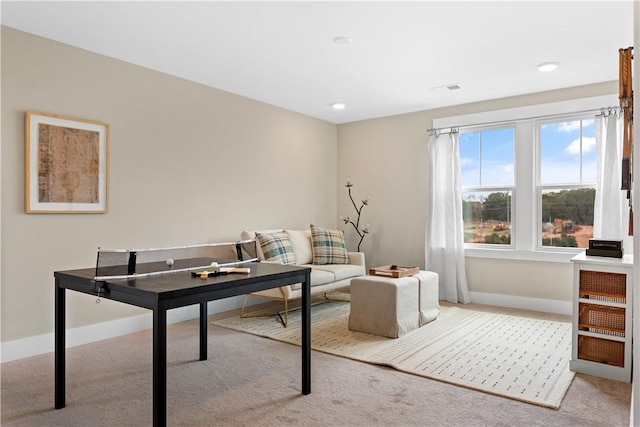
x,y
515,255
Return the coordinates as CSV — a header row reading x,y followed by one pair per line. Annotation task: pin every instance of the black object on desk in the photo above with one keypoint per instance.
x,y
166,291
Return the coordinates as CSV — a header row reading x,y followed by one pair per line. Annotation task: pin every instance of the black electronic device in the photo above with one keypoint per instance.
x,y
605,248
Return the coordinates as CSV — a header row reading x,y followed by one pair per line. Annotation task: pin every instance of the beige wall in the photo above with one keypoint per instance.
x,y
528,279
189,164
387,158
193,164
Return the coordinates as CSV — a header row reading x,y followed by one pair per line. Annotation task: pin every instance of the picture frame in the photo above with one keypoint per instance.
x,y
66,164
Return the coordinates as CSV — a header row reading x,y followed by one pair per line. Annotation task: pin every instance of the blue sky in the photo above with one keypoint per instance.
x,y
496,157
560,151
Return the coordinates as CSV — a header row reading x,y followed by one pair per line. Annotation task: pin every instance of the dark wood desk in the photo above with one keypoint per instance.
x,y
164,292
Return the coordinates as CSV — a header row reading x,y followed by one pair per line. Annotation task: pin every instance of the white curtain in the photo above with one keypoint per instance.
x,y
610,218
444,240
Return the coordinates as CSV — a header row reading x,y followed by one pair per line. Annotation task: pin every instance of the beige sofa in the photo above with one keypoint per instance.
x,y
324,277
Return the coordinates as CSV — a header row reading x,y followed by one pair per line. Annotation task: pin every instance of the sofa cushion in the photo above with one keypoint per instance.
x,y
318,277
321,277
328,246
276,247
301,242
342,271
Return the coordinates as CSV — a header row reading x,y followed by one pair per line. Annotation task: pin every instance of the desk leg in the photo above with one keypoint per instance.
x,y
160,366
203,330
60,344
306,336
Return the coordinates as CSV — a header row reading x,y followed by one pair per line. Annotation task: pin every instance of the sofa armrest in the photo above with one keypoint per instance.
x,y
356,258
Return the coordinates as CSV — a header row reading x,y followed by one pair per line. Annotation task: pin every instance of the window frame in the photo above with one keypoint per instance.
x,y
495,188
525,203
540,187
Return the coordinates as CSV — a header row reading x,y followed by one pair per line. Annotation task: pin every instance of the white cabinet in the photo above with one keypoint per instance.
x,y
602,316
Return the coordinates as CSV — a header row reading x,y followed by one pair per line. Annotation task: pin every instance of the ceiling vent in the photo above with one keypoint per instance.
x,y
446,88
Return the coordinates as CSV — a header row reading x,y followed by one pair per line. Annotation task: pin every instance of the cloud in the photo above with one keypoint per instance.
x,y
588,144
508,168
563,172
465,161
569,126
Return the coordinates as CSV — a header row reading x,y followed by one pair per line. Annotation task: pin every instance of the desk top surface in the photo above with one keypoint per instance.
x,y
183,281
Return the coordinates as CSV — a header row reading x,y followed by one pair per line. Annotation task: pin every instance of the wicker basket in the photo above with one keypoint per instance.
x,y
601,350
603,286
602,319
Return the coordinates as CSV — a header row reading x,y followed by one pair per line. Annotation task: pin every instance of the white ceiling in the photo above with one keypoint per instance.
x,y
282,53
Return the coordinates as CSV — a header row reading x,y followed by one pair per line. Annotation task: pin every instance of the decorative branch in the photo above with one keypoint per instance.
x,y
356,225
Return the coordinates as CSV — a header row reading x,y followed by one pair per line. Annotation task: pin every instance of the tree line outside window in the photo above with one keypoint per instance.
x,y
564,211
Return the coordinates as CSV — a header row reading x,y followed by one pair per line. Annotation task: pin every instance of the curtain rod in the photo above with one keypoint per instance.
x,y
604,111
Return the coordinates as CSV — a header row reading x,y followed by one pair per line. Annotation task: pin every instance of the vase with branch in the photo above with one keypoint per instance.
x,y
356,225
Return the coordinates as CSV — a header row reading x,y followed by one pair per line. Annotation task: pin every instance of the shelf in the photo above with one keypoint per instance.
x,y
601,336
626,260
601,302
602,317
602,330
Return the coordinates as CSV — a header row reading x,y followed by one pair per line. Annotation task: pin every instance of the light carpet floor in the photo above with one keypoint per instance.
x,y
521,358
250,381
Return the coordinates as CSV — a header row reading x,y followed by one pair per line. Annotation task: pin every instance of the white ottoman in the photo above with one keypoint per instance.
x,y
428,303
392,307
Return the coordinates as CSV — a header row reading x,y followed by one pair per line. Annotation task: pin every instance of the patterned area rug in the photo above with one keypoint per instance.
x,y
515,357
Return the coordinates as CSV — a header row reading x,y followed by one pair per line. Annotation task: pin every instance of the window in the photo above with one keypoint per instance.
x,y
553,166
567,180
562,164
551,175
487,176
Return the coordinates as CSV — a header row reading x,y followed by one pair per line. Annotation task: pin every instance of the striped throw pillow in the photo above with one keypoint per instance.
x,y
328,246
276,247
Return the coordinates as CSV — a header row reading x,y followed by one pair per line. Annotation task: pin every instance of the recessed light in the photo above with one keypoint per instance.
x,y
547,66
338,106
342,40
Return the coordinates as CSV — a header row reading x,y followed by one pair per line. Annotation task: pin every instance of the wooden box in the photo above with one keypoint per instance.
x,y
394,271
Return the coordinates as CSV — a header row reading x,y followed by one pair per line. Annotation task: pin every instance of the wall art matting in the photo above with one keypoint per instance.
x,y
66,164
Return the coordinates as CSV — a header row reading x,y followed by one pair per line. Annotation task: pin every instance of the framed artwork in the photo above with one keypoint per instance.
x,y
66,164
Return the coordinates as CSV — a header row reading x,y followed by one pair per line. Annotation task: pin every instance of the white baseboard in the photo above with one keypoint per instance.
x,y
40,344
524,303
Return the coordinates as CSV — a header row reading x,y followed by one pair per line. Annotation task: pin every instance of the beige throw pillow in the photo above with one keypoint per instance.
x,y
301,242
